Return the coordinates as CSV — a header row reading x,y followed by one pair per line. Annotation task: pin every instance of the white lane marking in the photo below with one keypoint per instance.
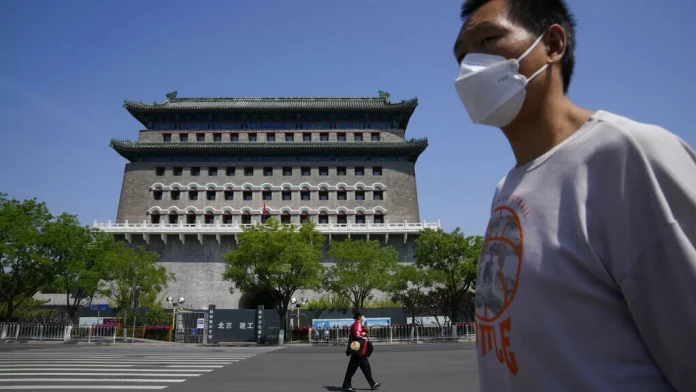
x,y
96,369
99,387
3,366
90,380
98,363
105,374
193,366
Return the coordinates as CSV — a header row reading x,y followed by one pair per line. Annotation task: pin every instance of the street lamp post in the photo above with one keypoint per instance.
x,y
174,304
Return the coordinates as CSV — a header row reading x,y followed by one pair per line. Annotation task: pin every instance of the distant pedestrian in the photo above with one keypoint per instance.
x,y
358,352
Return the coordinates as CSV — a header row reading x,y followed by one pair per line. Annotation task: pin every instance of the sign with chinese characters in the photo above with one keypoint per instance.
x,y
346,322
242,325
200,323
211,324
259,323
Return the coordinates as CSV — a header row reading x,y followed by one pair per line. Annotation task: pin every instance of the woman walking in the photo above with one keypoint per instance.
x,y
358,352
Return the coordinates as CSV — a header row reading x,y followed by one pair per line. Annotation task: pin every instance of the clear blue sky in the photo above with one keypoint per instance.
x,y
67,65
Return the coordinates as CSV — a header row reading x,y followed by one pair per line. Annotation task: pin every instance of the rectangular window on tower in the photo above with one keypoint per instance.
x,y
306,137
341,170
157,194
230,171
178,171
212,171
175,194
159,171
378,195
377,171
248,171
323,195
358,137
341,136
306,171
324,137
247,195
193,195
210,195
359,195
234,137
323,171
267,171
217,137
375,136
270,137
166,137
252,137
246,219
229,195
289,137
195,171
359,171
200,137
287,195
287,171
341,195
183,137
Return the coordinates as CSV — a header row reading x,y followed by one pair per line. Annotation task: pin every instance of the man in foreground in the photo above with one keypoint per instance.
x,y
587,279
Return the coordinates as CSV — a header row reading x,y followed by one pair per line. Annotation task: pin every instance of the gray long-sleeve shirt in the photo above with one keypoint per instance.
x,y
587,281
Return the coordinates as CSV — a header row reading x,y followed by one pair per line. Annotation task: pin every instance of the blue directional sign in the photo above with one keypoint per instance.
x,y
99,308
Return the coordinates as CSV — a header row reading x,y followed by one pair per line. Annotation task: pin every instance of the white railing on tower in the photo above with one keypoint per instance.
x,y
219,228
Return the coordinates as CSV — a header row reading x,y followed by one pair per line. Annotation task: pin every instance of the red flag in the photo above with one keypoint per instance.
x,y
264,209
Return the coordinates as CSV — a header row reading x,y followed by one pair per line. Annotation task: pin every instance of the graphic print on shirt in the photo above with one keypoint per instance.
x,y
497,279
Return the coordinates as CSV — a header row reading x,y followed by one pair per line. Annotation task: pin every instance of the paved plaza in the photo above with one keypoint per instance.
x,y
414,367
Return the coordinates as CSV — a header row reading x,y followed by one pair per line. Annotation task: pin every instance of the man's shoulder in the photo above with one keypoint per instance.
x,y
613,131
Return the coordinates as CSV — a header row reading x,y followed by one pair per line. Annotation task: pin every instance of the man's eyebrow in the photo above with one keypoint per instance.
x,y
473,30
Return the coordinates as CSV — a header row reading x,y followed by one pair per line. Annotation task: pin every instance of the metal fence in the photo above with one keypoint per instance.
x,y
93,333
397,334
57,332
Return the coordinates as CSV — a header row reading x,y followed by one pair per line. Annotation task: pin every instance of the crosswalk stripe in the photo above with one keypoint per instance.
x,y
71,387
109,364
120,369
3,366
90,380
102,370
69,362
192,366
103,374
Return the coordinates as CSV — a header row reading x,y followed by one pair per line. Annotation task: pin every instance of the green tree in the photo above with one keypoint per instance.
x,y
408,287
23,267
361,267
126,269
68,247
451,261
277,260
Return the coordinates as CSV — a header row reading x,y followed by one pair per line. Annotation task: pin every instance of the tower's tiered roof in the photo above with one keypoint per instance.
x,y
409,150
256,105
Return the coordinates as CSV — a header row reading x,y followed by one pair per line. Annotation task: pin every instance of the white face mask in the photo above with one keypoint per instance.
x,y
491,87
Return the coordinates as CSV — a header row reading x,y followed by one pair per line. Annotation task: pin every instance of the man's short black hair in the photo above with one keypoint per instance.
x,y
357,314
537,16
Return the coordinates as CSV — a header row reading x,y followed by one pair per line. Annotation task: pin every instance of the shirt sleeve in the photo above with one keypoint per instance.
x,y
659,286
660,292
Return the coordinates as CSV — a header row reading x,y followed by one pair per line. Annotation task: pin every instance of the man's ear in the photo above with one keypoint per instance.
x,y
555,41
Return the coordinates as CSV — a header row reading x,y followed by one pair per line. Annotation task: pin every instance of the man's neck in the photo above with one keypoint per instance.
x,y
550,124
